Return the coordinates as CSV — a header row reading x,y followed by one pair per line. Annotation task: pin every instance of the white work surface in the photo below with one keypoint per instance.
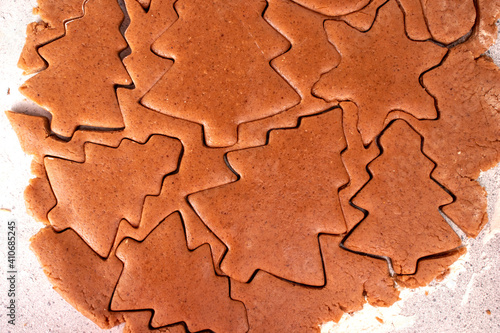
x,y
457,304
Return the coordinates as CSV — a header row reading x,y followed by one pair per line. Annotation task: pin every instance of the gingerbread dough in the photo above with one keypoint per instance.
x,y
221,76
355,158
403,220
38,194
235,107
138,322
275,305
485,30
88,98
416,27
460,144
286,195
53,16
187,288
297,24
111,184
430,269
448,20
444,21
144,3
364,18
333,7
379,70
83,279
145,67
322,56
201,166
37,140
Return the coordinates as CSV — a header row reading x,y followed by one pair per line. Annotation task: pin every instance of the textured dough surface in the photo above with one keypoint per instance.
x,y
259,166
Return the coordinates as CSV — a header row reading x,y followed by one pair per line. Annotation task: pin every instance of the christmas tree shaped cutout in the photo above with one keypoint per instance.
x,y
179,285
286,195
78,87
403,221
221,75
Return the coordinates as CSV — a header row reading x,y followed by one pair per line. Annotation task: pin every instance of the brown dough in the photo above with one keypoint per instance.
x,y
201,167
78,274
38,196
379,71
430,269
179,285
111,184
364,18
460,144
214,82
355,160
275,305
333,7
88,54
53,15
298,24
485,30
86,281
36,139
286,195
403,221
448,20
138,322
145,67
144,3
304,29
198,170
416,27
139,37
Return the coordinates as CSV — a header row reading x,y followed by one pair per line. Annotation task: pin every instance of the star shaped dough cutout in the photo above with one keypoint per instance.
x,y
379,70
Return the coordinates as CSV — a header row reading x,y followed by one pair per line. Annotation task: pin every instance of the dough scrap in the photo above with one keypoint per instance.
x,y
363,19
333,7
448,20
416,27
296,23
276,305
355,158
78,274
53,14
